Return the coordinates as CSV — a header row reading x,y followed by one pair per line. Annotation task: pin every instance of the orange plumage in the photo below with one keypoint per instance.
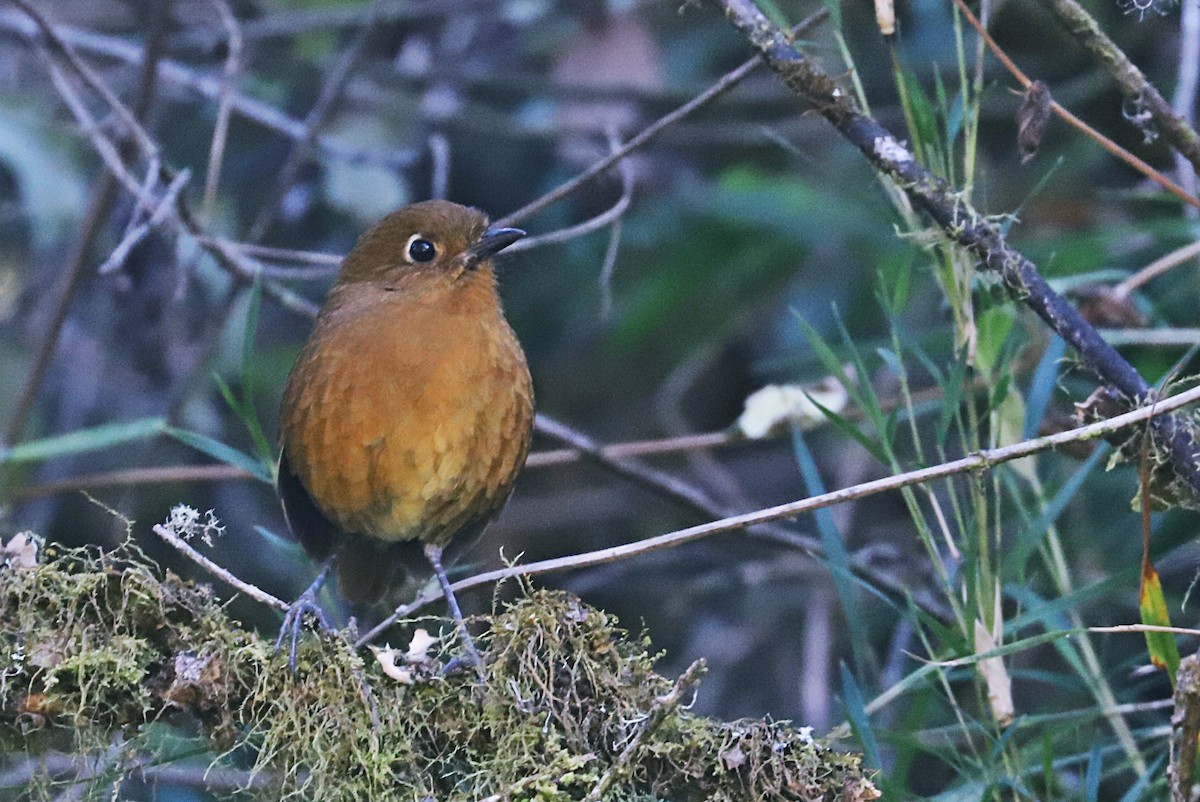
x,y
409,412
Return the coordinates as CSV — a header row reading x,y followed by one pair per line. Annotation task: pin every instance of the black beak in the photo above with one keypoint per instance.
x,y
494,240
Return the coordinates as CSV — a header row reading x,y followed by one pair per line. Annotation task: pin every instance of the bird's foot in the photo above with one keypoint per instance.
x,y
469,659
293,624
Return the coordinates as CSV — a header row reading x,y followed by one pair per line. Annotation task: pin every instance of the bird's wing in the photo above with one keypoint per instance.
x,y
307,523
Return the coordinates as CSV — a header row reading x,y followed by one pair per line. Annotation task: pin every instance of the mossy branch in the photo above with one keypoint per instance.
x,y
101,652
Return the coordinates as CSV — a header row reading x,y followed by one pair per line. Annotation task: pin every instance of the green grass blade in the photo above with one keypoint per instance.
x,y
860,722
221,452
835,553
1041,387
96,438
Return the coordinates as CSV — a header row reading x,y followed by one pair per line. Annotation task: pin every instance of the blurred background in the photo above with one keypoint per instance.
x,y
732,227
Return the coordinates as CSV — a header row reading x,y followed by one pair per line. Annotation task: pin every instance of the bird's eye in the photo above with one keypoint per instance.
x,y
421,250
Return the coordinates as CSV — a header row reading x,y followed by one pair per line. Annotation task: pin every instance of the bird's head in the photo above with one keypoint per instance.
x,y
428,241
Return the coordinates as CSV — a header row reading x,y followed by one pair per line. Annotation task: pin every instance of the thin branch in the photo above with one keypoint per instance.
x,y
165,474
1187,84
1156,268
959,221
285,254
611,215
1104,142
98,207
726,82
439,157
134,236
90,226
640,448
229,77
105,148
1176,337
185,548
608,268
661,483
291,22
245,269
980,460
1129,78
665,485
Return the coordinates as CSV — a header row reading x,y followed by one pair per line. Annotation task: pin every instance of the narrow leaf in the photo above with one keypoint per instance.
x,y
95,438
221,452
1152,605
835,553
856,712
1164,653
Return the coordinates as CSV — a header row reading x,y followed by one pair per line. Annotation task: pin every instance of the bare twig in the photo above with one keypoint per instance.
x,y
609,216
105,148
1187,84
135,235
439,157
666,485
980,460
246,269
653,717
290,22
229,76
639,448
607,268
134,128
185,548
1176,337
135,476
283,254
1156,268
98,208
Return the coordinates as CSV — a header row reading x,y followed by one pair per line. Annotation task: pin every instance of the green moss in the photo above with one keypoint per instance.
x,y
98,647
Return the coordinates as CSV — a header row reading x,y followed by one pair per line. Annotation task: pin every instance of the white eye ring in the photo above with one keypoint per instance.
x,y
419,249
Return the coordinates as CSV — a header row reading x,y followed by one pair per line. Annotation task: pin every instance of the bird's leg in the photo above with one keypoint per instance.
x,y
293,620
434,555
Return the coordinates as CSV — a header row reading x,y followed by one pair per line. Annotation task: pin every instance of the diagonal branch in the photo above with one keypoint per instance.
x,y
961,222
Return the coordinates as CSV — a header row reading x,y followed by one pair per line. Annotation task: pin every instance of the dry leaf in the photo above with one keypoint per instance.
x,y
387,662
777,404
1032,118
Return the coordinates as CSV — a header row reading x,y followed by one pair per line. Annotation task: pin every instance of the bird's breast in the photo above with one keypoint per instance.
x,y
407,418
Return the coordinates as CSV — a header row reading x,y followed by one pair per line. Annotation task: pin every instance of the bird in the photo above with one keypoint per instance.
x,y
408,413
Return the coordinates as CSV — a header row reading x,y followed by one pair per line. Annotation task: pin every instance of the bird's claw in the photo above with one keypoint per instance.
x,y
470,659
293,622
